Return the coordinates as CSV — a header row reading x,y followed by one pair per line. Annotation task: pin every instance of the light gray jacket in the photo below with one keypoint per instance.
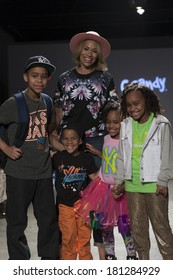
x,y
156,163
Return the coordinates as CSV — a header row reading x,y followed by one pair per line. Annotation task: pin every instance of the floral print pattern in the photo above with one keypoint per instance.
x,y
83,97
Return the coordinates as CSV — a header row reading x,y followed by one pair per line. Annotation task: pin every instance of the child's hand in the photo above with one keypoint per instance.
x,y
117,191
162,190
93,150
13,152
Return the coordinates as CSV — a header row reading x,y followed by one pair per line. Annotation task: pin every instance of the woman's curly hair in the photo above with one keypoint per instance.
x,y
151,99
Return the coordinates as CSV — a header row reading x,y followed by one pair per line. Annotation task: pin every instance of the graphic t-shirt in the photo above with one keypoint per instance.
x,y
71,173
82,98
139,133
35,162
109,158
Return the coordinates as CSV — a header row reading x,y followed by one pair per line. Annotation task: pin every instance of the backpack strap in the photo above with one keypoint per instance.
x,y
23,116
23,120
2,128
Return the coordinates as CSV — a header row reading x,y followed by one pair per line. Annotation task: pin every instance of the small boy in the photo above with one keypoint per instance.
x,y
28,169
73,167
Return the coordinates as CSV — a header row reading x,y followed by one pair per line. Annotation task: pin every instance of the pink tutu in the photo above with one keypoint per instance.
x,y
98,204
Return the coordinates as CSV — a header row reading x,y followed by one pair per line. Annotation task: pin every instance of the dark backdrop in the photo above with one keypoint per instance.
x,y
154,67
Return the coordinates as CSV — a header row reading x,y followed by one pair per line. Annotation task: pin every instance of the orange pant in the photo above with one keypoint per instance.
x,y
76,235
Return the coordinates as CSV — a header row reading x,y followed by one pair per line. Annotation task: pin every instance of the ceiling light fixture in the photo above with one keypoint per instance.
x,y
140,10
139,5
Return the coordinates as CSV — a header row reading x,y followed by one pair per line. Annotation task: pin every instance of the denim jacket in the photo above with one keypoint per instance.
x,y
156,164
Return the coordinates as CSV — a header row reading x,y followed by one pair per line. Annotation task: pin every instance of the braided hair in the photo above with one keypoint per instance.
x,y
110,106
151,99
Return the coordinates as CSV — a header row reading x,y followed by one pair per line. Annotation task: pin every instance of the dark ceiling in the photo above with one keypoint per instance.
x,y
35,20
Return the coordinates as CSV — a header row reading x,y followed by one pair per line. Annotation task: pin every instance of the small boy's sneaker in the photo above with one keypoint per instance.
x,y
131,258
110,257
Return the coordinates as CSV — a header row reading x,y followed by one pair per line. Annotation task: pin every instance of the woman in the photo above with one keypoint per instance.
x,y
83,91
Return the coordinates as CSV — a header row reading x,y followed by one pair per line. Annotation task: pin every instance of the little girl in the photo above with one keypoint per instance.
x,y
97,206
145,165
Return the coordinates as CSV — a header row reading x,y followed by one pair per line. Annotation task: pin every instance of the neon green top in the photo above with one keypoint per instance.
x,y
139,133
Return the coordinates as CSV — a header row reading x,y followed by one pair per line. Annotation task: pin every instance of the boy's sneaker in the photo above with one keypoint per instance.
x,y
2,209
131,258
110,257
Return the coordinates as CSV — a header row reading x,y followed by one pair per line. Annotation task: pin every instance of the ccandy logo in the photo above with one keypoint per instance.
x,y
158,83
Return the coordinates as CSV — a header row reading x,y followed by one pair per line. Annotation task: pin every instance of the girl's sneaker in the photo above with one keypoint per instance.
x,y
131,258
110,257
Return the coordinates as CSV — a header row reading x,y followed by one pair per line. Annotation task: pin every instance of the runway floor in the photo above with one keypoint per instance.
x,y
31,233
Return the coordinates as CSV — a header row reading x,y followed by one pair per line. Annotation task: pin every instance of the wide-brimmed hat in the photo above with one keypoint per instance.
x,y
90,35
39,61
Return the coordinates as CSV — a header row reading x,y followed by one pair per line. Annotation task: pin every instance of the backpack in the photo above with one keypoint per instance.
x,y
23,123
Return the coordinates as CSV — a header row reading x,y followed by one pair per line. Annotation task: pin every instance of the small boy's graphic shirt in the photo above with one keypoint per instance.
x,y
71,175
